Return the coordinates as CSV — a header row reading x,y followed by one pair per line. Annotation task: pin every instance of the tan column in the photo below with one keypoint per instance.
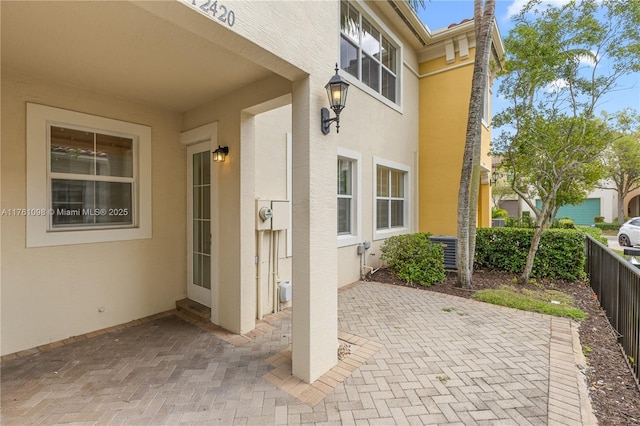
x,y
315,311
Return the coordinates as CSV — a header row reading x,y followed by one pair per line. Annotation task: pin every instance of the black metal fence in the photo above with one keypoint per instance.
x,y
617,284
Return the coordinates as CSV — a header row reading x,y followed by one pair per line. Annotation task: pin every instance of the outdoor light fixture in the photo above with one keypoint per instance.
x,y
220,154
496,176
337,91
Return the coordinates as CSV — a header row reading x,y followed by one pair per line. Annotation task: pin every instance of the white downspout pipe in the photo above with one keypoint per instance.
x,y
259,274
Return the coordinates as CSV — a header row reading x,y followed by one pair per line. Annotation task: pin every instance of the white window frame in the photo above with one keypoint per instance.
x,y
354,237
39,233
486,111
379,234
367,13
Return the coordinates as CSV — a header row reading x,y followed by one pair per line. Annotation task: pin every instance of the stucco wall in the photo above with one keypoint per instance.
x,y
51,293
444,106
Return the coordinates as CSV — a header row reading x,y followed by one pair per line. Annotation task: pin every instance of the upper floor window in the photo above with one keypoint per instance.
x,y
366,53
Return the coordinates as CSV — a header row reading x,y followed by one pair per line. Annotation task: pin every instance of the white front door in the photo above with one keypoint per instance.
x,y
199,223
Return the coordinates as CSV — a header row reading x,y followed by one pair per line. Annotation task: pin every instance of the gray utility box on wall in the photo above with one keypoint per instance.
x,y
450,246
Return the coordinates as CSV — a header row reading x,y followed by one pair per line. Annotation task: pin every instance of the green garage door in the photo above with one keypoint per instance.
x,y
582,214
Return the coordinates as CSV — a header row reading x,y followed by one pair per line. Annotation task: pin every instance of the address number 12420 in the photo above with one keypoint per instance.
x,y
219,11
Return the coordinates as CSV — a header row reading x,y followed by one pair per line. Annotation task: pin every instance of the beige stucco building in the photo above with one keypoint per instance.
x,y
112,208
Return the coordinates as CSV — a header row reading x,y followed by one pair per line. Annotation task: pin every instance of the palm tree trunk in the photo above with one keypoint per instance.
x,y
470,173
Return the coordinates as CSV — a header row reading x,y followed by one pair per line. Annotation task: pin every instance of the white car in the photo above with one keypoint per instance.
x,y
629,233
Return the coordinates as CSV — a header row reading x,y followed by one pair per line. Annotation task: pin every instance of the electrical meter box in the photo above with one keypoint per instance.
x,y
264,215
281,215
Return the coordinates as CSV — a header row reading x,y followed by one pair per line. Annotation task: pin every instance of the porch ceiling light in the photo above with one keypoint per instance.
x,y
337,89
220,154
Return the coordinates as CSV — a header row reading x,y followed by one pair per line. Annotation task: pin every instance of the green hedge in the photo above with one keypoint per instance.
x,y
595,232
607,226
414,258
560,255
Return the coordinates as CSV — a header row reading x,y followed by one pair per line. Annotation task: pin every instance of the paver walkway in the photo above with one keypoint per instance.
x,y
437,359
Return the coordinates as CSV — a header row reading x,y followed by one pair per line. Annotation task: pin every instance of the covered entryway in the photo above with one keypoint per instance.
x,y
172,67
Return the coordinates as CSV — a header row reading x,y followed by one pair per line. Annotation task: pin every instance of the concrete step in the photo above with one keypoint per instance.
x,y
196,310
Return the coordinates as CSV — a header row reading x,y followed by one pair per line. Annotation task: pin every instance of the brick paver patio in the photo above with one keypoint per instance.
x,y
417,357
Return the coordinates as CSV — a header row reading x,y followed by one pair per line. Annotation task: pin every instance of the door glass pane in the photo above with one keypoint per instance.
x,y
197,270
196,202
206,237
205,158
201,192
206,272
206,199
196,235
197,170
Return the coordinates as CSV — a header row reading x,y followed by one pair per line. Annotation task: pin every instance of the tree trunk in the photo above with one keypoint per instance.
x,y
620,208
541,225
469,185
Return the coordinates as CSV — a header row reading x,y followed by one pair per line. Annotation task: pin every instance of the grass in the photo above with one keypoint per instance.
x,y
548,302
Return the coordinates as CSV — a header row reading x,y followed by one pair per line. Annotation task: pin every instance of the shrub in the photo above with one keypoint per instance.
x,y
525,222
497,213
598,219
607,226
564,223
595,232
560,253
414,258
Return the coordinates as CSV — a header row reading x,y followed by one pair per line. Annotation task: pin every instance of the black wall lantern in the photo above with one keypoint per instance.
x,y
220,154
337,89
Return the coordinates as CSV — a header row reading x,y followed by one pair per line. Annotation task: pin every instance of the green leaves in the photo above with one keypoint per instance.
x,y
560,254
414,258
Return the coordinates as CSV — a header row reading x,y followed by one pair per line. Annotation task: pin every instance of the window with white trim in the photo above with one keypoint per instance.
x,y
346,208
391,198
486,109
91,178
366,53
88,180
348,194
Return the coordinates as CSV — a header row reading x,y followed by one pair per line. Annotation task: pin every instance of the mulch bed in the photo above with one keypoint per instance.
x,y
612,388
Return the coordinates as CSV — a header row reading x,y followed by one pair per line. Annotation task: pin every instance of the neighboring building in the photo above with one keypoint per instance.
x,y
599,202
632,204
112,209
446,70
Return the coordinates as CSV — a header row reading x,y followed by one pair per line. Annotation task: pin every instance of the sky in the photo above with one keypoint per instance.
x,y
441,13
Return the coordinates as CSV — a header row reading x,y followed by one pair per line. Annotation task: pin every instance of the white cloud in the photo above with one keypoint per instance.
x,y
557,85
589,59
